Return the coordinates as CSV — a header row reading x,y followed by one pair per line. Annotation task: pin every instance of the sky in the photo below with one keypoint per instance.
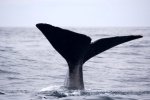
x,y
79,13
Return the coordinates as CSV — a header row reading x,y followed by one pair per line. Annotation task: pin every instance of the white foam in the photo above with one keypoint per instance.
x,y
50,88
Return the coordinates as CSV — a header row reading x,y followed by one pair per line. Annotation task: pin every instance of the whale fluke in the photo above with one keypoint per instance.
x,y
104,44
77,48
69,44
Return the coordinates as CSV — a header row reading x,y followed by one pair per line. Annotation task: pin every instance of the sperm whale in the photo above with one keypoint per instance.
x,y
77,48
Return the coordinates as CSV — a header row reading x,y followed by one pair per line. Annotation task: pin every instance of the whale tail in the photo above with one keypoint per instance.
x,y
72,46
104,44
77,48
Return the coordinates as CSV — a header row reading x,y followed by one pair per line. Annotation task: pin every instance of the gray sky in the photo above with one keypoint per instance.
x,y
95,13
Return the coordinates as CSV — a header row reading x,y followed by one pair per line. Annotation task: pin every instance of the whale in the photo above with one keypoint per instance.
x,y
77,48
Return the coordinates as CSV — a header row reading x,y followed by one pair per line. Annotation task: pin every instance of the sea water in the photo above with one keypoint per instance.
x,y
30,68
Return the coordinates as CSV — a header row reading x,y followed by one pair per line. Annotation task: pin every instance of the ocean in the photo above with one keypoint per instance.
x,y
31,69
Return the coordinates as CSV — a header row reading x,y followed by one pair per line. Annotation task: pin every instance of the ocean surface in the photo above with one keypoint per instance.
x,y
30,68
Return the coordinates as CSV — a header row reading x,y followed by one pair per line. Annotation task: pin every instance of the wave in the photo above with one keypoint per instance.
x,y
1,93
62,92
7,72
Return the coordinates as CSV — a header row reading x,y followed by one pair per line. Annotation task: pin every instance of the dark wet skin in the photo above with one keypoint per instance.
x,y
77,49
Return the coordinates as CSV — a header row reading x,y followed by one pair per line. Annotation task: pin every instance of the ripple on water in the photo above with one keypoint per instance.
x,y
65,94
1,93
7,72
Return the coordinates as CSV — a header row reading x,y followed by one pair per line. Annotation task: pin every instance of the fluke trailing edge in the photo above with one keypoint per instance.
x,y
77,49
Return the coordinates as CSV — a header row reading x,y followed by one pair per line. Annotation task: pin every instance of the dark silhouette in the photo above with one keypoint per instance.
x,y
77,49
